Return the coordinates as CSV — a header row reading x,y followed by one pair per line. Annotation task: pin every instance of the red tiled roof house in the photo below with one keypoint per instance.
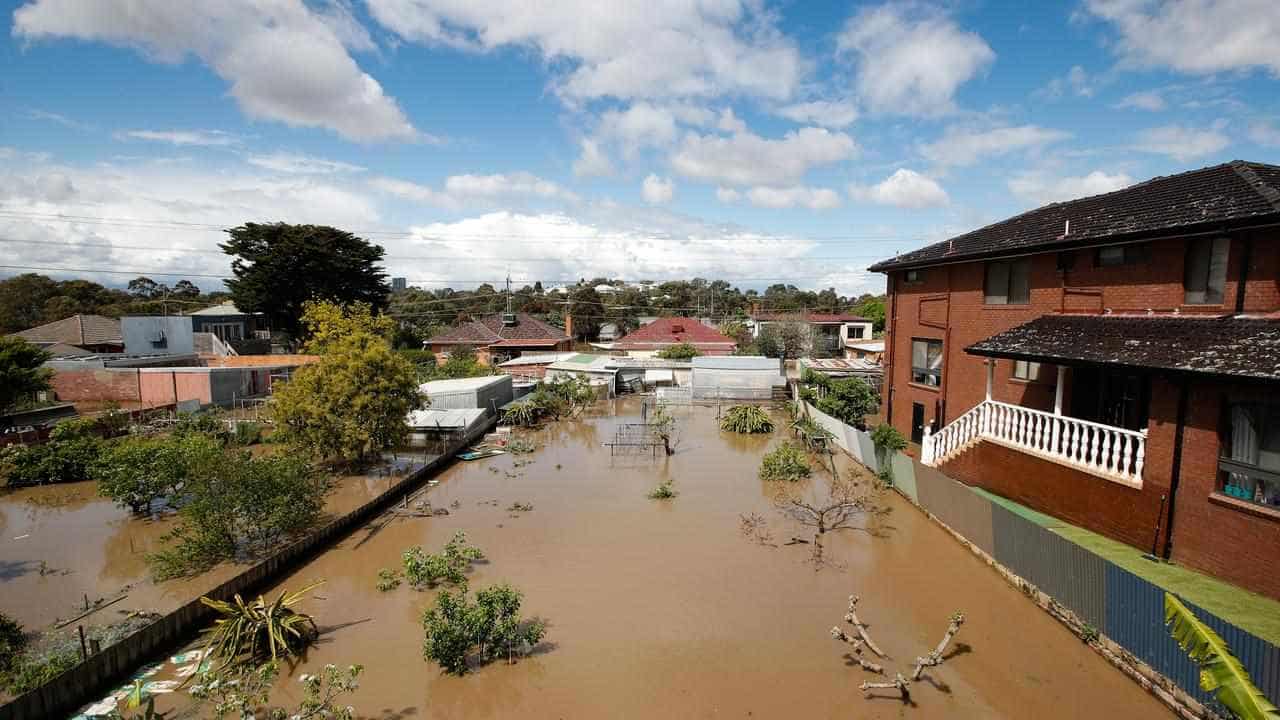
x,y
831,334
500,337
1113,361
667,331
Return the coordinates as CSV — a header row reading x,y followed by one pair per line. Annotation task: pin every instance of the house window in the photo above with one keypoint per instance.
x,y
1008,282
1026,370
913,277
1115,255
1206,274
227,332
926,362
855,332
1250,458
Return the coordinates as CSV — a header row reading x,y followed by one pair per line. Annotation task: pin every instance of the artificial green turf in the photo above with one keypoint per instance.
x,y
1246,610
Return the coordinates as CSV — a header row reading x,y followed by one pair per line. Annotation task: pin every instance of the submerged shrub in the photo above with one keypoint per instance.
x,y
136,471
746,419
458,630
423,569
258,630
524,413
786,462
663,492
67,457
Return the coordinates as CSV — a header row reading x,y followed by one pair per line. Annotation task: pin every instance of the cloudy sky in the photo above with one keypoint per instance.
x,y
754,141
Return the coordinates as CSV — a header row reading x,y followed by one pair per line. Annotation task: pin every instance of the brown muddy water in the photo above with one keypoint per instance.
x,y
664,609
62,543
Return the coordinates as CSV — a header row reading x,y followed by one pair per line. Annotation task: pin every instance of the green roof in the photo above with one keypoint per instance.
x,y
582,359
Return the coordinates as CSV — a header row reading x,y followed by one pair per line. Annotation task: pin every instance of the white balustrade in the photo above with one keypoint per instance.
x,y
1111,452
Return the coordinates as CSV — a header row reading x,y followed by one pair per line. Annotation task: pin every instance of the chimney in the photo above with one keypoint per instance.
x,y
568,325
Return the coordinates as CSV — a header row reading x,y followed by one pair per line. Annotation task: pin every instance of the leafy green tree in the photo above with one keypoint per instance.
x,y
679,351
351,404
22,371
235,505
487,629
136,471
872,308
278,267
587,309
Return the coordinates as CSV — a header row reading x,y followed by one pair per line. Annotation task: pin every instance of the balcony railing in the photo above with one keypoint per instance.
x,y
1111,452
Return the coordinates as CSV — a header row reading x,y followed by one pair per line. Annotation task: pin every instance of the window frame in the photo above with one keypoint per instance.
x,y
990,297
927,376
1027,375
917,280
1130,254
1213,273
1269,414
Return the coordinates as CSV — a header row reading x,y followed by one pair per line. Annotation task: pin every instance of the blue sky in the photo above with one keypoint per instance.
x,y
758,142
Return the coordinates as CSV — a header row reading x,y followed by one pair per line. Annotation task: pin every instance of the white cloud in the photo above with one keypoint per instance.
x,y
1076,82
730,123
282,61
1195,36
204,138
1264,133
728,195
656,190
639,126
592,160
1041,189
748,159
827,113
624,50
60,119
795,196
1150,100
911,59
301,164
1182,143
905,189
961,146
464,190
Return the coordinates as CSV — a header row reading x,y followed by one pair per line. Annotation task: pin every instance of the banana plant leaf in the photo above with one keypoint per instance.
x,y
1220,672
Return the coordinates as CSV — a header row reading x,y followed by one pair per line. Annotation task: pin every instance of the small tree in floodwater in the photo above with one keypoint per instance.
x,y
844,503
664,429
863,639
459,630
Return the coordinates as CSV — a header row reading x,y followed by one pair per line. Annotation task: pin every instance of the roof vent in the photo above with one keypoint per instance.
x,y
509,319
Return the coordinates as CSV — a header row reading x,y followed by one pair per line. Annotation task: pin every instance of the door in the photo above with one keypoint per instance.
x,y
1110,397
917,423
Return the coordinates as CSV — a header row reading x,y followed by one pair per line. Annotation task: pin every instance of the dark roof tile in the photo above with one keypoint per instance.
x,y
1232,192
1237,347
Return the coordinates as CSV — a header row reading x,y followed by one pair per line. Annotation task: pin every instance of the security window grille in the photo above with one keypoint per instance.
x,y
926,362
1008,282
1206,275
1026,370
1115,255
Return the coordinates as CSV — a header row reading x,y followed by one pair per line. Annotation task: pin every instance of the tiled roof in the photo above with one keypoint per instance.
x,y
673,331
1234,192
811,317
78,330
489,330
1238,347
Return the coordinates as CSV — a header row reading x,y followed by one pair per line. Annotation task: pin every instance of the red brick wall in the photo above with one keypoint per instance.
x,y
949,305
1210,536
120,385
1105,507
1214,536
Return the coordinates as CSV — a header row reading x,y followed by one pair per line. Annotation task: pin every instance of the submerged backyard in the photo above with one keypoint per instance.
x,y
703,598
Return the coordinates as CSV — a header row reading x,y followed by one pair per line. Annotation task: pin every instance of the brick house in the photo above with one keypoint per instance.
x,y
1113,361
830,334
500,337
664,332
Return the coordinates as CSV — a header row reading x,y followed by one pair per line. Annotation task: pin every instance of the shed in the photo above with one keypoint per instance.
x,y
596,368
435,430
487,393
736,377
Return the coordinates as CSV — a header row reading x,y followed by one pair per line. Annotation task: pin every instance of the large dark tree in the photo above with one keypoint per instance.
x,y
278,267
21,371
587,309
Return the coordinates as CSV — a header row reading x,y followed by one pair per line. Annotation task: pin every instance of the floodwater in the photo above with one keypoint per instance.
x,y
664,609
62,543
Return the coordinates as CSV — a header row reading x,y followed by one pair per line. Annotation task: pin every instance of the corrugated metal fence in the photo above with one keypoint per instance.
x,y
1119,604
